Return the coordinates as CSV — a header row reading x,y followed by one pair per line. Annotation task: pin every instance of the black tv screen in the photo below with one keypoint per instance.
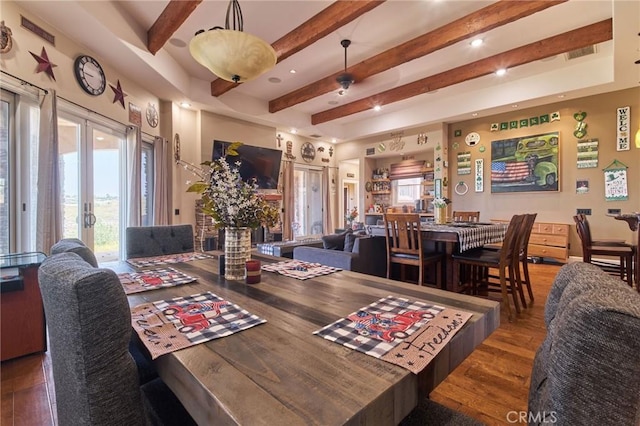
x,y
261,164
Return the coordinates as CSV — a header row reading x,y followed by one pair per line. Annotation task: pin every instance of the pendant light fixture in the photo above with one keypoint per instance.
x,y
230,53
345,79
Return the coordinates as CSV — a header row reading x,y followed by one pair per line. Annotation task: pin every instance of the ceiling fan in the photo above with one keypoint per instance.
x,y
345,79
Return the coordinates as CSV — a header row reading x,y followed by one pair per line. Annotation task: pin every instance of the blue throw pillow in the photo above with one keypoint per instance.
x,y
349,241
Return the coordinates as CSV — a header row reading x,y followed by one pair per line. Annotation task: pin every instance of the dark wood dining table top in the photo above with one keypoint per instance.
x,y
280,373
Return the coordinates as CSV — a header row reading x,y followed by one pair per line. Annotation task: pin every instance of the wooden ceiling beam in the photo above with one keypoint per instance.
x,y
481,21
322,24
174,15
556,45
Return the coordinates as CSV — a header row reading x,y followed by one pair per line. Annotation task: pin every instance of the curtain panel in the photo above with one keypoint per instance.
x,y
162,194
49,202
134,160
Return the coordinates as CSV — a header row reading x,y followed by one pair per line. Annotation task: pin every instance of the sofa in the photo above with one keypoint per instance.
x,y
348,251
587,370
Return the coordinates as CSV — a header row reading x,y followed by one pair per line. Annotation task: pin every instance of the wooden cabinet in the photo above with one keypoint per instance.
x,y
548,240
22,321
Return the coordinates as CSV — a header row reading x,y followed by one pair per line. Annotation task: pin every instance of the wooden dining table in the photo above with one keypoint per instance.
x,y
279,372
448,236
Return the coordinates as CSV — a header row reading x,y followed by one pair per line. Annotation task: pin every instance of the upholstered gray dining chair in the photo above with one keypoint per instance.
x,y
89,324
76,246
147,241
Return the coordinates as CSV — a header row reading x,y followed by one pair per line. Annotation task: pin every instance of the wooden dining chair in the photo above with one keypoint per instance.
x,y
522,272
405,246
459,216
582,218
506,260
624,253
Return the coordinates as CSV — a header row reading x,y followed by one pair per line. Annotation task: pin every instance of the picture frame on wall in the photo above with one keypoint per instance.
x,y
526,164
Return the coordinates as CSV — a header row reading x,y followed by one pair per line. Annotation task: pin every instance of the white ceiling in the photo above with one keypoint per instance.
x,y
116,31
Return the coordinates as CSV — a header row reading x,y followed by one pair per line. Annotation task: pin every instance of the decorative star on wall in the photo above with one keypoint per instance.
x,y
118,94
44,64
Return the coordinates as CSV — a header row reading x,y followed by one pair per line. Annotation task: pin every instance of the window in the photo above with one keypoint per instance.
x,y
406,191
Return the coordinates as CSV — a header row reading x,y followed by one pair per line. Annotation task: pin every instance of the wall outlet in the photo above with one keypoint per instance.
x,y
584,211
614,211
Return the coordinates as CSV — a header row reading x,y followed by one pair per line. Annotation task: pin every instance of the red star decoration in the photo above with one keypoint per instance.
x,y
44,64
118,94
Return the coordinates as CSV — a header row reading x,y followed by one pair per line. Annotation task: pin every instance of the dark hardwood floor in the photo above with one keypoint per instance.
x,y
491,385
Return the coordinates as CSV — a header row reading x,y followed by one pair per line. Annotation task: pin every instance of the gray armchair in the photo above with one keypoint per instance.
x,y
587,369
95,376
148,241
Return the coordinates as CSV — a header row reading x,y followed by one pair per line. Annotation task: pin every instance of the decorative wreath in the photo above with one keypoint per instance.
x,y
6,43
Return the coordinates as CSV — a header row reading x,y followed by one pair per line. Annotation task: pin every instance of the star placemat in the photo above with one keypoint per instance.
x,y
169,325
142,262
151,279
406,333
299,269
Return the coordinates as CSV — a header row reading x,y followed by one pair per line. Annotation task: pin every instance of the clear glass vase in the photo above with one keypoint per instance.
x,y
237,250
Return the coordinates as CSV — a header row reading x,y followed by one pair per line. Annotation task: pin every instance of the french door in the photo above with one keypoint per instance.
x,y
308,202
92,157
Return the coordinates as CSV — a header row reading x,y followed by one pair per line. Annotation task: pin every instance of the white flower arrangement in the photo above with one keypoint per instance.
x,y
440,202
229,200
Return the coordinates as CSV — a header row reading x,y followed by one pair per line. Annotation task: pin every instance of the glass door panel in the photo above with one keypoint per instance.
x,y
69,137
91,179
5,177
308,202
104,196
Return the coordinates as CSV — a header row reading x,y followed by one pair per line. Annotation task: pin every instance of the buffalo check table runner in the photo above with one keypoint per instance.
x,y
169,325
471,235
299,269
151,279
142,262
406,333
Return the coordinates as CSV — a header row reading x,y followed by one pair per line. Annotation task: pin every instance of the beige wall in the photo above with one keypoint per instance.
x,y
557,206
21,64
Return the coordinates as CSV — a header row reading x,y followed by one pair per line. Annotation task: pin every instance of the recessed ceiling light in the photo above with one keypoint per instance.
x,y
514,106
292,71
377,108
333,102
475,114
561,96
334,140
294,131
477,42
501,72
274,80
185,104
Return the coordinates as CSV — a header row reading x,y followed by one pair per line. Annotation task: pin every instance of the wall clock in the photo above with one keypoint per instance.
x,y
472,139
152,115
90,75
308,152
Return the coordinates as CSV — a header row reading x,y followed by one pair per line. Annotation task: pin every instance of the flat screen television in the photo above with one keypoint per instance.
x,y
261,164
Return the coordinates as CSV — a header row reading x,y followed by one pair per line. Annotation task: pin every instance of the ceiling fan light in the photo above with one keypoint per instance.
x,y
232,55
345,80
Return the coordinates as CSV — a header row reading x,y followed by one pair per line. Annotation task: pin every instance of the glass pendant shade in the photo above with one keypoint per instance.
x,y
232,55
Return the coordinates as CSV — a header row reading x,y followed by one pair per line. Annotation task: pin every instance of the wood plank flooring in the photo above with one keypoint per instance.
x,y
488,385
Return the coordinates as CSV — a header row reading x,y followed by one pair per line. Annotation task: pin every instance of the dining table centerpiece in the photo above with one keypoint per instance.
x,y
440,210
235,205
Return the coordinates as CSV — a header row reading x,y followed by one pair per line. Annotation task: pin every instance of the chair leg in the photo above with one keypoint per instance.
x,y
514,288
505,294
519,284
421,271
527,280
